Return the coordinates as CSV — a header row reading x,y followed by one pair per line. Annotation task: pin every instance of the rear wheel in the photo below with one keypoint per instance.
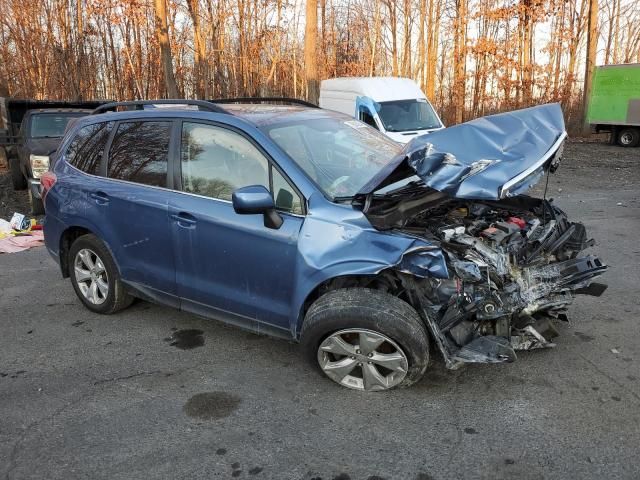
x,y
628,137
366,339
95,277
17,178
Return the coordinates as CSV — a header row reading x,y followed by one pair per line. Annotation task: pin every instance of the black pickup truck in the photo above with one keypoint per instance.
x,y
30,131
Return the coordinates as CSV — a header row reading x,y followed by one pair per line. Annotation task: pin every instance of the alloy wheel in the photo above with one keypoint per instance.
x,y
362,359
91,276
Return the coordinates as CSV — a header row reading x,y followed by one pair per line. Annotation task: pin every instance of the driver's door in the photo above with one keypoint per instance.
x,y
230,265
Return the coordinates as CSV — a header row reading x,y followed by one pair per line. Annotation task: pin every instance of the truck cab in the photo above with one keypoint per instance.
x,y
41,132
395,106
30,131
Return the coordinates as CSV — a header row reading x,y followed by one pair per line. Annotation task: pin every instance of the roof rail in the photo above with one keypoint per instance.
x,y
286,100
139,104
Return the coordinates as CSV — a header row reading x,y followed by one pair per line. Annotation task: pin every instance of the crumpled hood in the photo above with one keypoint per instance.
x,y
488,158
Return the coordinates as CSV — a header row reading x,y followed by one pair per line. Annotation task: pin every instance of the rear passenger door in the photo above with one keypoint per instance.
x,y
133,200
230,265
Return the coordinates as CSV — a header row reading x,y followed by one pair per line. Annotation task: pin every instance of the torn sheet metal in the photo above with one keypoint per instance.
x,y
488,158
351,246
487,349
515,267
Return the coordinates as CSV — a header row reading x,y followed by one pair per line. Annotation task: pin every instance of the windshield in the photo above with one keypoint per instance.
x,y
339,154
407,115
49,125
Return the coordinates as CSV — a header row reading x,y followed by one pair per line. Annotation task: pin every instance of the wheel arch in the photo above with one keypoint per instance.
x,y
388,280
70,235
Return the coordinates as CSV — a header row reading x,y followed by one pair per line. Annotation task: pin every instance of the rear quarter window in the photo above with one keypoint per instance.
x,y
140,153
86,149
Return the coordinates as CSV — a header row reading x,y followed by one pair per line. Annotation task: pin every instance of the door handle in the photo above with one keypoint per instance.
x,y
100,198
184,220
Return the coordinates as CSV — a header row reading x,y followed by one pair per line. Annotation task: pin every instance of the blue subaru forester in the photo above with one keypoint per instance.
x,y
310,225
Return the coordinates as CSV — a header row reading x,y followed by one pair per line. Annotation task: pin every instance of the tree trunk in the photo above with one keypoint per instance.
x,y
165,49
432,48
420,71
592,44
393,18
199,67
310,56
460,59
526,49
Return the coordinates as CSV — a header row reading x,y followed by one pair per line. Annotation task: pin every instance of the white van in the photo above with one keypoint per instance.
x,y
395,106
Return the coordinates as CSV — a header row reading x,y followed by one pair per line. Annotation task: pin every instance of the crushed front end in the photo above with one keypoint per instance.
x,y
514,263
514,266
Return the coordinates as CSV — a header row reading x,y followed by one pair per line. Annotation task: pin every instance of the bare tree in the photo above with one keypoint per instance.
x,y
592,44
162,34
310,54
471,57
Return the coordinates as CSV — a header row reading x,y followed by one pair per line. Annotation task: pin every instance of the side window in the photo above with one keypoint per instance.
x,y
367,118
140,152
86,149
284,195
216,161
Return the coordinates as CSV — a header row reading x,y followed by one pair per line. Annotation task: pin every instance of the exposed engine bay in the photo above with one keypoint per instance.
x,y
503,266
515,266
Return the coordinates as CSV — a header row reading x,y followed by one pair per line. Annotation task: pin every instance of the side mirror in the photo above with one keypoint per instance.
x,y
256,199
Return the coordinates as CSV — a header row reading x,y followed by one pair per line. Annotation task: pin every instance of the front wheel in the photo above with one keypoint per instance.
x,y
366,339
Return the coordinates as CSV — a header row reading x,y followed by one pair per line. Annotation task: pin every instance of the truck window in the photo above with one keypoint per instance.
x,y
49,125
408,115
367,118
86,149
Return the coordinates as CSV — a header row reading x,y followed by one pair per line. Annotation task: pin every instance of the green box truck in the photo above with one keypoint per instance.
x,y
614,105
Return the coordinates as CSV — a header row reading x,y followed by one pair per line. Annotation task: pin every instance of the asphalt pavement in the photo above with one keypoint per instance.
x,y
156,393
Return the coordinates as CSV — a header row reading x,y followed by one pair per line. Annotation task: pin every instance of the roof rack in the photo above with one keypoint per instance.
x,y
285,100
139,104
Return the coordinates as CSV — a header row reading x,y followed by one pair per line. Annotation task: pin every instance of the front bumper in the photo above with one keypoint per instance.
x,y
35,188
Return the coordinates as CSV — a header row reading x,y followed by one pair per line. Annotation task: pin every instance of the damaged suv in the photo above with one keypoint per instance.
x,y
309,225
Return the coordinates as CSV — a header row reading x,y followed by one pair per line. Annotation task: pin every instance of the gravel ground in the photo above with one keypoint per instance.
x,y
156,393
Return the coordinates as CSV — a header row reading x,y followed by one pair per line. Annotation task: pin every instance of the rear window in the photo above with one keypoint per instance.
x,y
86,149
139,153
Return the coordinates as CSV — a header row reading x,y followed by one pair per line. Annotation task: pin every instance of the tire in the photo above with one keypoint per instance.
x,y
37,207
628,137
350,314
17,178
105,273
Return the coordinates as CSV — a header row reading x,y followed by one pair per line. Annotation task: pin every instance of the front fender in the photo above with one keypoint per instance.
x,y
328,250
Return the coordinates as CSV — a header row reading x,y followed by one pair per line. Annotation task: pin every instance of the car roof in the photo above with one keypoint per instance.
x,y
38,111
262,115
259,115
